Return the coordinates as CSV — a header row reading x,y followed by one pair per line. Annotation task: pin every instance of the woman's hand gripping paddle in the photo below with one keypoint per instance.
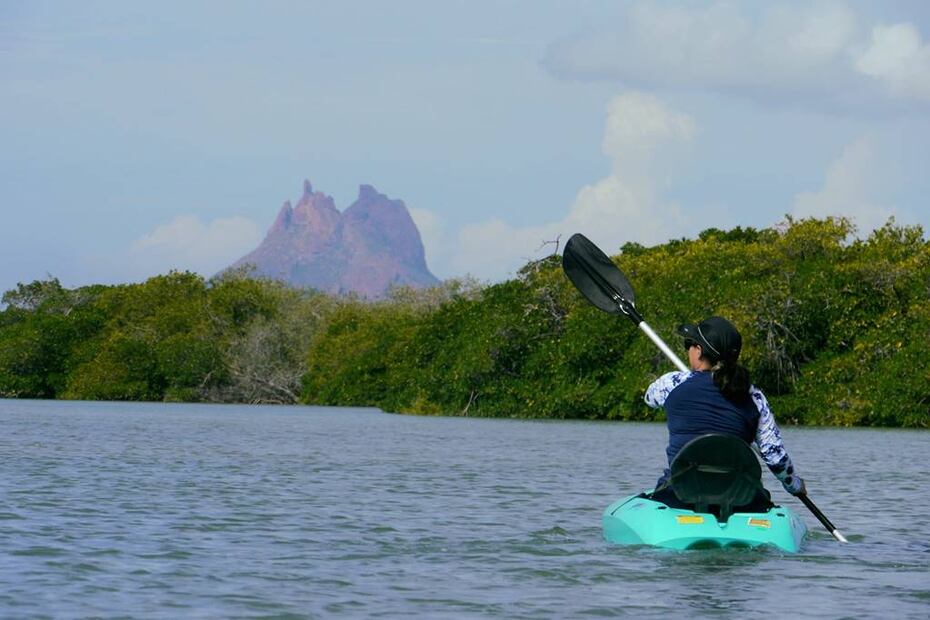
x,y
605,286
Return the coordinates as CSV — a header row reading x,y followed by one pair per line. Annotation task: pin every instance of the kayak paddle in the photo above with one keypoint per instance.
x,y
604,285
821,517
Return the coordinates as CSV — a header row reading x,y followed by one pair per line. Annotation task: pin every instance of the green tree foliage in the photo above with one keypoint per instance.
x,y
834,331
265,329
157,343
172,337
41,327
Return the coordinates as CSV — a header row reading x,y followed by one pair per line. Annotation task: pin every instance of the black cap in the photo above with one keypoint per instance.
x,y
717,336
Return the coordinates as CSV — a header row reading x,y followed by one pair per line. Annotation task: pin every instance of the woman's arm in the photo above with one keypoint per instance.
x,y
662,387
771,447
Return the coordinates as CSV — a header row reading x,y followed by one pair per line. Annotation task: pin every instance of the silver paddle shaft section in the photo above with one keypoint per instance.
x,y
662,346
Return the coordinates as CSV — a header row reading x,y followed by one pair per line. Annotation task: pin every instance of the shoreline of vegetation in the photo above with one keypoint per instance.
x,y
834,331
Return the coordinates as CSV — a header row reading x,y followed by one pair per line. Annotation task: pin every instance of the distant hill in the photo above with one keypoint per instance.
x,y
366,249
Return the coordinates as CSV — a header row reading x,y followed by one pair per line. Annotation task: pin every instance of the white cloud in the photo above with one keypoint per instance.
x,y
627,204
432,234
624,206
818,54
897,55
495,249
187,243
849,189
638,125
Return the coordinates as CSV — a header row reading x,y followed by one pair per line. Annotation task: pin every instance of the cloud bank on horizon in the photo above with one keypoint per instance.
x,y
208,247
819,56
626,205
838,99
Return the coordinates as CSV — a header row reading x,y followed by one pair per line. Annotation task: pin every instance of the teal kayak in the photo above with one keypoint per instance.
x,y
636,520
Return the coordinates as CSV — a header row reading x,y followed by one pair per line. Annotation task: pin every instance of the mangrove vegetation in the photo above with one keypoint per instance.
x,y
835,330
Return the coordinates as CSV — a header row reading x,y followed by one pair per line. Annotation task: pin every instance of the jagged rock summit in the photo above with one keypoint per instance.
x,y
366,249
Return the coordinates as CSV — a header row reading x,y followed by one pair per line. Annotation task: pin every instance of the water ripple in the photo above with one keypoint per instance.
x,y
165,511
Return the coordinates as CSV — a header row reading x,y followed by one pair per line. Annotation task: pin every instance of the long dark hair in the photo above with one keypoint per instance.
x,y
732,379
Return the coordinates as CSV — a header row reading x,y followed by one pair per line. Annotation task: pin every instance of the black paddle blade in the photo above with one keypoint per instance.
x,y
598,279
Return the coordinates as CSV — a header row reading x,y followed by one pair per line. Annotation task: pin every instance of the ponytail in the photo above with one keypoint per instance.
x,y
733,381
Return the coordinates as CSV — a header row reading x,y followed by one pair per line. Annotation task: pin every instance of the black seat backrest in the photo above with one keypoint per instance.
x,y
716,470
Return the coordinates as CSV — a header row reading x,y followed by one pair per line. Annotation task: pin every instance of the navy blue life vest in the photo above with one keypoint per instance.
x,y
696,407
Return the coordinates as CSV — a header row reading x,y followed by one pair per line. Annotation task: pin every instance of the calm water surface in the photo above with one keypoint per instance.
x,y
190,511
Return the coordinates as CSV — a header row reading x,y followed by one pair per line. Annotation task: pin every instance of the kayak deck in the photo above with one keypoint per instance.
x,y
636,520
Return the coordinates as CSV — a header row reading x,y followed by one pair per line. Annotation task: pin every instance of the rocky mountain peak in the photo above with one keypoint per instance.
x,y
285,215
368,248
368,192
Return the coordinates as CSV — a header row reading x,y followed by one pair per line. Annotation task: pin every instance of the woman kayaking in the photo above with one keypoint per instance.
x,y
717,397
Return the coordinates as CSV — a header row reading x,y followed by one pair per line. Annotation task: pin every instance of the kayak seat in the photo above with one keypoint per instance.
x,y
716,473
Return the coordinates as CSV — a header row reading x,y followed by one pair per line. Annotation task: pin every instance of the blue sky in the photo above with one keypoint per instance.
x,y
141,137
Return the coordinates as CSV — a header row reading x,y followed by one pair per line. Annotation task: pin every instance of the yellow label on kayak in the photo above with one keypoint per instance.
x,y
760,522
690,519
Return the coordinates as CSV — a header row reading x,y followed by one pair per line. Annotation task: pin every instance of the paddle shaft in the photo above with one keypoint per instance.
x,y
662,346
627,307
821,517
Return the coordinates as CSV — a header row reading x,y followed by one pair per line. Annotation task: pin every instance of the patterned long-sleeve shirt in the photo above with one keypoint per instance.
x,y
768,436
